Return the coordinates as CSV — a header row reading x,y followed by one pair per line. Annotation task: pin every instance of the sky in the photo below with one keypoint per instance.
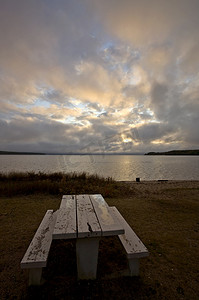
x,y
106,76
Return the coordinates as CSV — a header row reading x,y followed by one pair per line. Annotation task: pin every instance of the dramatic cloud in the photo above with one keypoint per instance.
x,y
99,76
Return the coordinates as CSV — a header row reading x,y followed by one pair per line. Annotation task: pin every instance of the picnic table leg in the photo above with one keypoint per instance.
x,y
87,256
134,266
35,276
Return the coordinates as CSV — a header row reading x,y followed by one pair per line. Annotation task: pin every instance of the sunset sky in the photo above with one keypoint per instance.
x,y
99,75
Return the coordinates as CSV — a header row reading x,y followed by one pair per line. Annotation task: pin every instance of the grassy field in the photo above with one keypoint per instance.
x,y
165,215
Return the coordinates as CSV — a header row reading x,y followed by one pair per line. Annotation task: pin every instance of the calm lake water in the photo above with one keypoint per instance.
x,y
120,167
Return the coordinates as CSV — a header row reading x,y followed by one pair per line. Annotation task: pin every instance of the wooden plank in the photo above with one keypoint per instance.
x,y
37,252
88,225
65,226
108,221
131,242
64,200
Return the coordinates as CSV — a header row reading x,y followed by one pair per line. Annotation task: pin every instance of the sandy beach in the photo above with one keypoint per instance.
x,y
159,186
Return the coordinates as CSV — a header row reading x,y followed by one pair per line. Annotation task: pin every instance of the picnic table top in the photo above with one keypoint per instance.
x,y
83,216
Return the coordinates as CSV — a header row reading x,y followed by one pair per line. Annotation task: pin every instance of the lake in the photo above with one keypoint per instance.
x,y
120,167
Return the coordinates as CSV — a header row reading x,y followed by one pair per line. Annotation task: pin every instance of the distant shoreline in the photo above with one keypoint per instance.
x,y
175,152
20,153
71,153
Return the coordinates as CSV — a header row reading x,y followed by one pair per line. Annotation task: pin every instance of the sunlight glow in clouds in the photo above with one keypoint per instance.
x,y
102,76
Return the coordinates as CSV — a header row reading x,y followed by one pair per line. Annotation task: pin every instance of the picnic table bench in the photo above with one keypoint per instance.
x,y
36,255
133,246
85,218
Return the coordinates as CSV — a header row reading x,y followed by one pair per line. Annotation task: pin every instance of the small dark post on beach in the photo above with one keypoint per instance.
x,y
138,179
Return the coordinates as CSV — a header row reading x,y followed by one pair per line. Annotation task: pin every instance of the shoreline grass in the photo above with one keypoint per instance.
x,y
164,215
29,183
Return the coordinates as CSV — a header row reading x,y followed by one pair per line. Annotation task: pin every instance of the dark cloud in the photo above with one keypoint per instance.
x,y
159,101
151,132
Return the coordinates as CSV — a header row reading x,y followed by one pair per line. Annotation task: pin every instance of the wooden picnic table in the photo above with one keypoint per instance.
x,y
86,218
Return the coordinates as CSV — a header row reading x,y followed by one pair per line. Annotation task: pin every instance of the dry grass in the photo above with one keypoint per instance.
x,y
164,215
55,184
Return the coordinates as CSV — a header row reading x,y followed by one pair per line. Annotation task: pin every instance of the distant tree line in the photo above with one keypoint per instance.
x,y
19,153
175,152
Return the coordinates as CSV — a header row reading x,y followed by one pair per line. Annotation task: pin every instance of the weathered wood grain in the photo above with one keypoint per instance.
x,y
108,221
131,242
66,225
88,225
37,252
64,200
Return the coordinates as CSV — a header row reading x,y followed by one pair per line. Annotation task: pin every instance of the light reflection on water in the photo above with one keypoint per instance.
x,y
120,167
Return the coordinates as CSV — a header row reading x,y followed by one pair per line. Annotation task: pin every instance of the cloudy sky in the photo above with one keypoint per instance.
x,y
99,76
